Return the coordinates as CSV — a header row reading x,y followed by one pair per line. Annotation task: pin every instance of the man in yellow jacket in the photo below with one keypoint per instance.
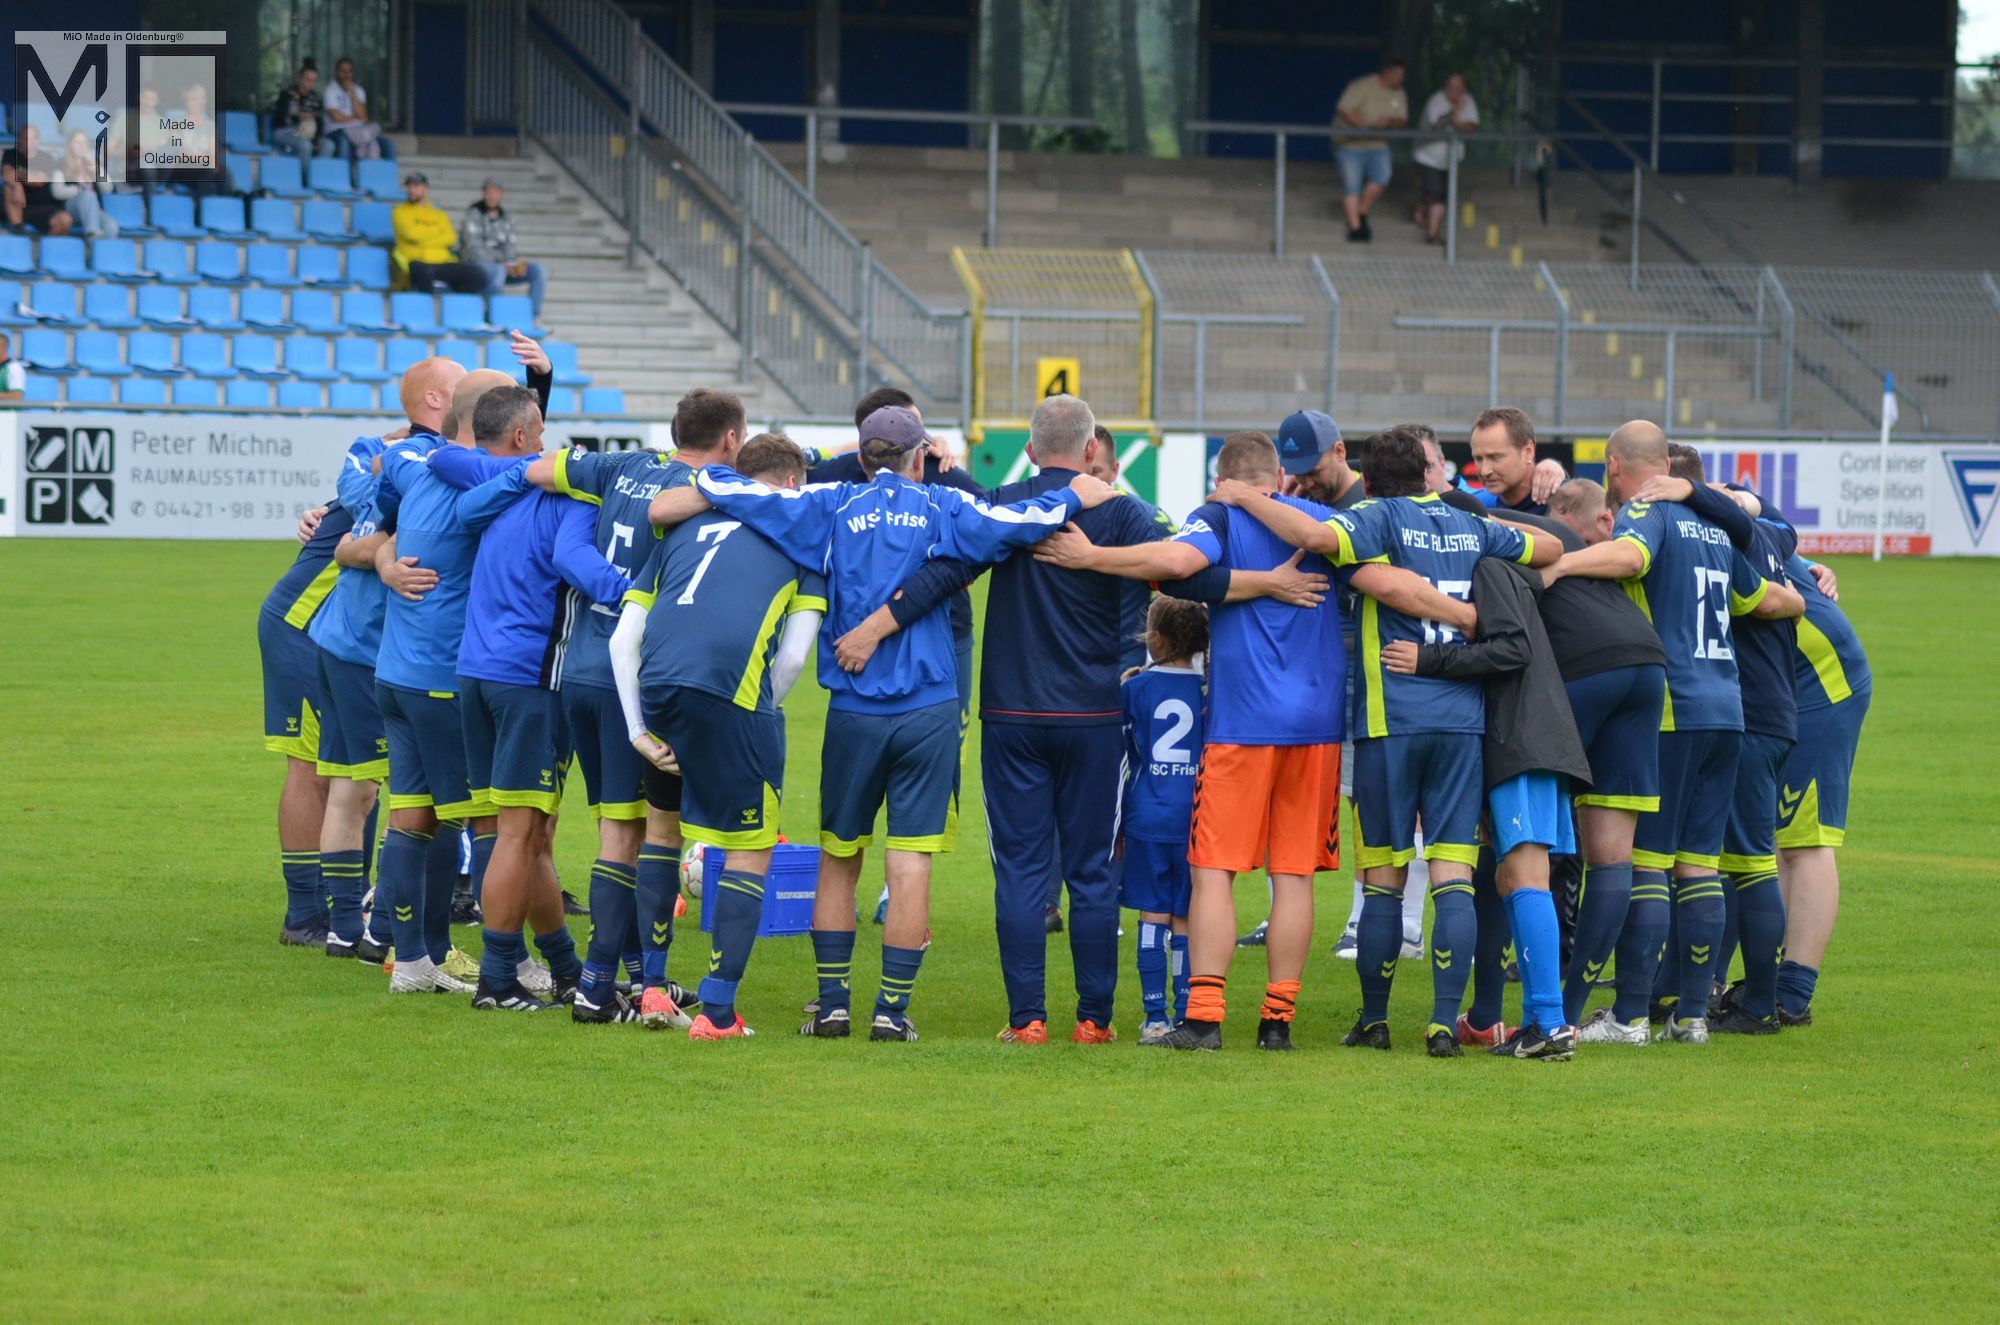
x,y
426,244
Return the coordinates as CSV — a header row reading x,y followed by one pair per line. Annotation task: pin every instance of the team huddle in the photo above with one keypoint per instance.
x,y
1605,728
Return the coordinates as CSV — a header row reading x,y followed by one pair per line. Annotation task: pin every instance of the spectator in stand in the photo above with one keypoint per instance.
x,y
13,373
74,184
1450,106
426,246
28,199
487,241
295,117
199,138
1372,101
348,131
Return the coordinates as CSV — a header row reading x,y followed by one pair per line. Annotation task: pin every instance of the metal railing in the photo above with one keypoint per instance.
x,y
993,123
836,314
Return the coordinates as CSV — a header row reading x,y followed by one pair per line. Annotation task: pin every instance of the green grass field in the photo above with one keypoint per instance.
x,y
200,1125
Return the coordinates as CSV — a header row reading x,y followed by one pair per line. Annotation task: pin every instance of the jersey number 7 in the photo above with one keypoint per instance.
x,y
714,534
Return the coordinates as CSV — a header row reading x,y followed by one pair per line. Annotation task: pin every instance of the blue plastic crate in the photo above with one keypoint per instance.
x,y
788,889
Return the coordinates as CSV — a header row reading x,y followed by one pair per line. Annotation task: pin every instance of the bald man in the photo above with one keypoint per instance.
x,y
1691,581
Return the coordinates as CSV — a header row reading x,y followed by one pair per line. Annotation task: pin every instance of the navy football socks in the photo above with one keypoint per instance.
x,y
1796,983
1489,955
482,855
739,905
1454,934
899,981
1698,914
659,883
303,900
440,878
1642,943
340,871
833,957
399,889
558,949
1600,916
1378,942
500,960
1760,908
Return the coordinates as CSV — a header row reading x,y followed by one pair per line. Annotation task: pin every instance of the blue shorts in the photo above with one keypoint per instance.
x,y
1697,784
1812,788
1532,807
1362,165
614,776
732,766
352,742
1618,716
427,753
1155,877
909,760
516,747
1437,776
291,688
1750,838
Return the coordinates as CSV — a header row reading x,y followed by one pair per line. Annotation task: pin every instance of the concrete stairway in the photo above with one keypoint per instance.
x,y
636,329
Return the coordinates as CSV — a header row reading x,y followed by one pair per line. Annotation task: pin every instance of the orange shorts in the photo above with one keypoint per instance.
x,y
1275,806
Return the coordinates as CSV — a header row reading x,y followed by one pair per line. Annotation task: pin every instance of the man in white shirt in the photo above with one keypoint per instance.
x,y
13,373
1450,106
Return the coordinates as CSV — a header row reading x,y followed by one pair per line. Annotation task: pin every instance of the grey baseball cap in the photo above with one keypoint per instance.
x,y
491,182
895,424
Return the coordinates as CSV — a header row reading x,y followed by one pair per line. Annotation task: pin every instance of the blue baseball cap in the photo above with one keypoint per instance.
x,y
897,425
1303,438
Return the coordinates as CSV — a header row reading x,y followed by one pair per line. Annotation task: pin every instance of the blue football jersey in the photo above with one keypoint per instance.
x,y
1764,649
420,640
1279,672
717,594
1163,740
350,625
621,485
1691,585
535,570
1442,544
303,589
1829,666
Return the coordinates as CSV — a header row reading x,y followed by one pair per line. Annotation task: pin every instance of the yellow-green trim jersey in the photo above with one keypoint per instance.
x,y
1442,544
1691,585
621,485
1829,666
718,594
302,590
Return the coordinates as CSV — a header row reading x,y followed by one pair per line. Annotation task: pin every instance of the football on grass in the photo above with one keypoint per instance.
x,y
694,859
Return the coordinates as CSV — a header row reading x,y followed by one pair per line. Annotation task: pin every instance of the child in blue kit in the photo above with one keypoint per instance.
x,y
1163,738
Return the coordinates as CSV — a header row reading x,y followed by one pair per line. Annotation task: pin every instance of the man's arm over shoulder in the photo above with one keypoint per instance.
x,y
577,559
798,522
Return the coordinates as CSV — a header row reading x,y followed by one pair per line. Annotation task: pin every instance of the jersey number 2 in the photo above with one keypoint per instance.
x,y
1167,747
712,534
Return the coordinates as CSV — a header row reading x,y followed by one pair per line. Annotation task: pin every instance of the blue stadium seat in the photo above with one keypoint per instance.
x,y
48,351
242,173
239,132
246,393
196,392
306,357
89,391
466,313
320,265
263,309
152,352
129,211
400,352
281,176
274,218
212,307
562,358
362,311
219,263
300,395
160,306
101,353
108,306
374,221
377,179
359,360
54,304
142,391
368,268
39,390
326,222
514,312
562,400
461,352
500,358
167,259
312,310
63,257
604,400
205,355
222,216
173,216
331,177
392,397
415,313
257,356
11,301
350,395
17,256
117,260
271,265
